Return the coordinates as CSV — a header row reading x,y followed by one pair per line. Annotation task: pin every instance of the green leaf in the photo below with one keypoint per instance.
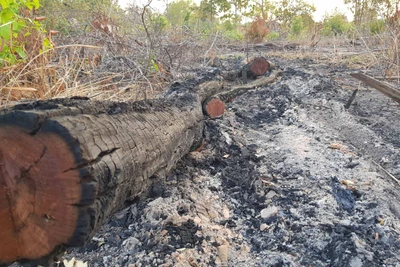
x,y
20,52
30,5
155,66
11,58
47,44
17,26
36,3
6,3
5,31
6,15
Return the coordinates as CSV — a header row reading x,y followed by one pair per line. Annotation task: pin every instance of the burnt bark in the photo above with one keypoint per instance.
x,y
67,165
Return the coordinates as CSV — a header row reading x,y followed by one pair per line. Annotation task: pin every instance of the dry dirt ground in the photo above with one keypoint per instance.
x,y
287,177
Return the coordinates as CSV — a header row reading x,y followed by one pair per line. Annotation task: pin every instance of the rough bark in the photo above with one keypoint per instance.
x,y
66,165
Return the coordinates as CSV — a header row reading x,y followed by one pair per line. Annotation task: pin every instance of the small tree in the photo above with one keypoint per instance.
x,y
297,26
335,24
377,26
287,10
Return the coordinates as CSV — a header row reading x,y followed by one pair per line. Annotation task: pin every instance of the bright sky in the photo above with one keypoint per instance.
x,y
322,6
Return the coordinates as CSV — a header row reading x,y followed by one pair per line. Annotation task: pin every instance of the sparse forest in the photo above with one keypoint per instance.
x,y
199,133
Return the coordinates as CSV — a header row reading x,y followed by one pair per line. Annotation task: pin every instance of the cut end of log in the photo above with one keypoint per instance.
x,y
39,190
214,108
259,66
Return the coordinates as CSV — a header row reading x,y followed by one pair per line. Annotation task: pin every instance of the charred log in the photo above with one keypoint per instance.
x,y
66,165
214,107
252,69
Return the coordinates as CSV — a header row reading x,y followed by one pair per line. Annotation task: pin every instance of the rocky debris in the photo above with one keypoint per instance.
x,y
286,178
269,212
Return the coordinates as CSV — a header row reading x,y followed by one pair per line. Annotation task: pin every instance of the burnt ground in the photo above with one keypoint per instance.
x,y
287,177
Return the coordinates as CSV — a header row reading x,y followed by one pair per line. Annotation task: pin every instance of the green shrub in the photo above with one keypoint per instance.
x,y
377,26
273,36
297,26
159,22
233,35
230,30
335,24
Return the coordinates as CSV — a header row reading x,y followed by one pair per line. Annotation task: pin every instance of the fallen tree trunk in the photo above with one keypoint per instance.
x,y
66,165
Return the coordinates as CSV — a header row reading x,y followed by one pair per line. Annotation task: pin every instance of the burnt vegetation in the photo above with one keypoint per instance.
x,y
211,133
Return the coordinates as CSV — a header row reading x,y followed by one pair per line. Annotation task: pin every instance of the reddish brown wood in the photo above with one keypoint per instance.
x,y
259,66
214,107
256,67
37,194
66,165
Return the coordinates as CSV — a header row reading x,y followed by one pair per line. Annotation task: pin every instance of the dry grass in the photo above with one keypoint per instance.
x,y
120,68
106,70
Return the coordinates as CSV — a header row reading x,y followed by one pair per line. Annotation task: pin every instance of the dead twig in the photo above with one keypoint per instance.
x,y
351,99
209,49
387,172
145,26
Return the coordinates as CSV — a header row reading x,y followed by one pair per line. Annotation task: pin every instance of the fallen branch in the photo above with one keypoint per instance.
x,y
215,105
388,173
240,89
384,88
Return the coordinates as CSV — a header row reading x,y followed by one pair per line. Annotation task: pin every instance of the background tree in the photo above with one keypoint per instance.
x,y
179,12
75,16
366,11
287,10
335,24
261,9
363,10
